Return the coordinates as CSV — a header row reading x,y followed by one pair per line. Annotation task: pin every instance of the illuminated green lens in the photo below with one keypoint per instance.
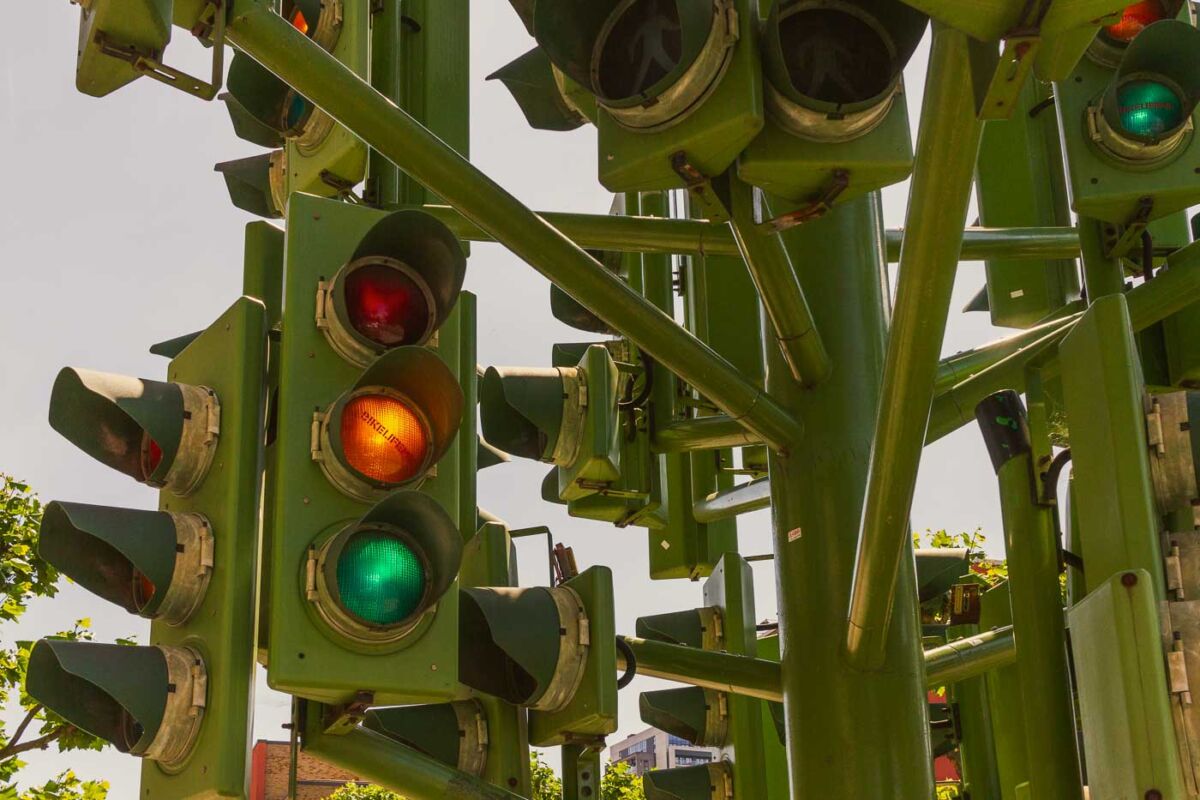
x,y
380,579
1148,108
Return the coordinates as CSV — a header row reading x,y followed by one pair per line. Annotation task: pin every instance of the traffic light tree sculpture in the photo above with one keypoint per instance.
x,y
388,606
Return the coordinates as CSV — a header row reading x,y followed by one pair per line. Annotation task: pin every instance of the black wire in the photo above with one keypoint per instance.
x,y
647,385
1050,497
1040,107
630,663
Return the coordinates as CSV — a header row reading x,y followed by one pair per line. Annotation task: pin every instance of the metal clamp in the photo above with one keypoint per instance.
x,y
211,21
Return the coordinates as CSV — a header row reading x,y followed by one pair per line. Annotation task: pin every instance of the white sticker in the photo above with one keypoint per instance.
x,y
1016,293
664,544
794,534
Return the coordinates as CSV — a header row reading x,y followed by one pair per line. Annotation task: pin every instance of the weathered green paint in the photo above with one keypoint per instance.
x,y
977,746
946,148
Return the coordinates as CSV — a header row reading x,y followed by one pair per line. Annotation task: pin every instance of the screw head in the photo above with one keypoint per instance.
x,y
1127,580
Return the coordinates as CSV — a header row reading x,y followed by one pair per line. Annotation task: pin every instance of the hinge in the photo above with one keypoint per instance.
x,y
481,726
1173,570
208,546
585,629
1154,431
723,704
213,413
310,575
731,23
322,318
199,689
314,442
1177,671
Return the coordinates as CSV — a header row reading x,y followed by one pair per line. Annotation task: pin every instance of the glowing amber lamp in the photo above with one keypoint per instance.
x,y
383,438
299,22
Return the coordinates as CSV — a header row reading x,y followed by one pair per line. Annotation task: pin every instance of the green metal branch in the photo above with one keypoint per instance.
x,y
947,144
742,499
969,657
318,76
779,290
702,433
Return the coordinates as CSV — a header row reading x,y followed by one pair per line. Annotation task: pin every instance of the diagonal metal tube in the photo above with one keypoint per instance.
x,y
702,433
947,144
316,74
741,499
966,658
779,291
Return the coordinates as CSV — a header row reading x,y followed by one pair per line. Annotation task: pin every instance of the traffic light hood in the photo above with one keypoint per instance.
x,y
533,83
522,645
570,311
1166,53
840,57
430,527
257,184
940,568
162,434
146,701
683,49
691,713
255,101
700,782
528,411
151,563
453,733
697,627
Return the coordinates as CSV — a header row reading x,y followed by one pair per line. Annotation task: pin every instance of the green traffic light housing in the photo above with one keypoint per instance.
x,y
379,578
146,701
112,35
543,94
1146,111
570,311
700,782
155,564
456,734
534,412
160,434
398,287
263,109
700,716
837,125
696,627
257,184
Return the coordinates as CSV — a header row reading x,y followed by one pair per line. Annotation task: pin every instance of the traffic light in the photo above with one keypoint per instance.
x,y
454,733
367,510
677,83
313,154
112,35
183,701
1127,116
549,649
549,99
837,124
706,717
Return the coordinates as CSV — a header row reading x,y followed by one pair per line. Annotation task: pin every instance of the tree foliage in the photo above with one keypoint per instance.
x,y
545,782
24,576
620,783
354,791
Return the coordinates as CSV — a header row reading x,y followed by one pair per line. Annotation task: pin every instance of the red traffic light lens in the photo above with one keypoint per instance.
x,y
152,456
386,305
1134,18
384,438
299,22
143,590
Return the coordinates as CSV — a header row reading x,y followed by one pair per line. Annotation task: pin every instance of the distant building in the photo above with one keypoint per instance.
x,y
655,749
270,764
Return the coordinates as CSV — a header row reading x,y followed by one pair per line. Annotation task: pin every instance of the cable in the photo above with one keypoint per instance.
x,y
1147,256
630,663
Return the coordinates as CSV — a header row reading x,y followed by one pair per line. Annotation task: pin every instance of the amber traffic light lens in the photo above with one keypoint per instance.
x,y
1134,18
143,590
386,306
384,438
299,22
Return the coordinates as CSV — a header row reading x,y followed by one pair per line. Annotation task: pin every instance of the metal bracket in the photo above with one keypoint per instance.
x,y
1118,246
341,719
839,181
210,22
1173,572
1177,675
700,188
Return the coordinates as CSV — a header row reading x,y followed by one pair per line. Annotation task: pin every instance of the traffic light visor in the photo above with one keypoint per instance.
x,y
833,68
112,34
699,782
453,733
1156,86
151,563
532,82
522,645
691,713
379,576
1134,19
257,184
697,627
532,412
394,423
146,701
397,289
647,61
940,568
161,434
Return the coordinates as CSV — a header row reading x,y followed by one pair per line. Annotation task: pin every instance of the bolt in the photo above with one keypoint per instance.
x,y
1153,794
1129,579
433,667
305,501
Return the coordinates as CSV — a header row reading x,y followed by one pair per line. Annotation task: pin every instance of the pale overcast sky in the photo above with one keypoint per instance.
x,y
116,233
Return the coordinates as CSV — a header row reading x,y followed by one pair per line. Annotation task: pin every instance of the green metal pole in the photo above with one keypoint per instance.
x,y
778,290
403,770
947,143
317,75
982,244
702,433
976,745
968,657
1101,274
383,178
1030,543
725,672
742,499
580,772
957,368
850,733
